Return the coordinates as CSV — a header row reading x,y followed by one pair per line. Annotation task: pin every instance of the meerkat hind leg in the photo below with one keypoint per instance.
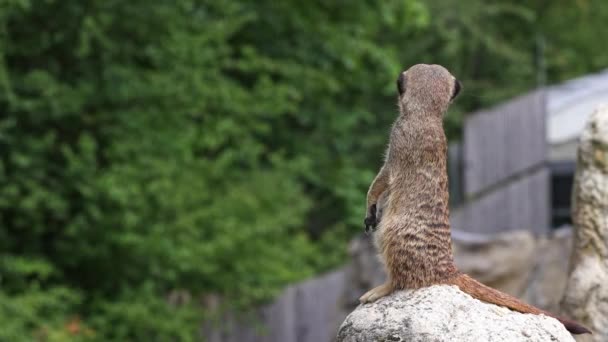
x,y
376,293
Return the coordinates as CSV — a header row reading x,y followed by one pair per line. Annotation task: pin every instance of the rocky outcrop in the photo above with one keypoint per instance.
x,y
444,313
586,295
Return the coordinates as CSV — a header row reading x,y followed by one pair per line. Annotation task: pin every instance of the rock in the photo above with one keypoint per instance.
x,y
503,261
547,280
515,262
444,313
586,295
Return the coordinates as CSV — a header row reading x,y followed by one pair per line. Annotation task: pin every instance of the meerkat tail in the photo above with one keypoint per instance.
x,y
487,294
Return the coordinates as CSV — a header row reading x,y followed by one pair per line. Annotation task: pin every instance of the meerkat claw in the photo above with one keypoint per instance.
x,y
371,221
369,227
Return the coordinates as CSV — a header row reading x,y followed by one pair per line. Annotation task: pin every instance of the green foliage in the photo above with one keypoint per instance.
x,y
24,300
220,147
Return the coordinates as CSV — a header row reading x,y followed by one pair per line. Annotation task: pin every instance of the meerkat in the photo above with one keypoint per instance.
x,y
413,235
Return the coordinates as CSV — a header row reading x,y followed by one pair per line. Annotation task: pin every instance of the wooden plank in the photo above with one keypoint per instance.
x,y
458,219
485,164
493,148
317,307
517,205
470,155
480,213
472,141
522,204
502,211
501,140
455,179
530,113
542,145
512,145
539,191
504,141
279,318
519,139
307,312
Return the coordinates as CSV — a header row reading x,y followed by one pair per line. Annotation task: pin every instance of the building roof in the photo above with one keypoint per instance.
x,y
568,106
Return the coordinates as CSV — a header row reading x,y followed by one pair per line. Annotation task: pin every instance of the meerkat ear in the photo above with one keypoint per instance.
x,y
401,84
457,88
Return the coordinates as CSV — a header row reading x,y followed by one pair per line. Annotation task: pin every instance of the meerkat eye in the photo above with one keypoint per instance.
x,y
401,84
457,88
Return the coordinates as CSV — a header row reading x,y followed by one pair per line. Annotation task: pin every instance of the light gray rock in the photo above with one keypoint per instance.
x,y
503,261
548,279
586,295
444,313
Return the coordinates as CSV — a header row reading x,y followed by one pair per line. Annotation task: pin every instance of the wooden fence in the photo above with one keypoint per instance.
x,y
503,172
310,311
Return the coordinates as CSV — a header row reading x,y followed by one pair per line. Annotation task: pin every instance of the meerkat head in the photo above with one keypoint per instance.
x,y
426,88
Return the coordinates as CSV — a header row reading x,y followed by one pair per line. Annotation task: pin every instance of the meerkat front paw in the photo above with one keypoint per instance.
x,y
371,220
376,293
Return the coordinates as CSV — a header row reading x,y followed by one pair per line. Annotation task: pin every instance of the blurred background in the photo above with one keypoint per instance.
x,y
165,162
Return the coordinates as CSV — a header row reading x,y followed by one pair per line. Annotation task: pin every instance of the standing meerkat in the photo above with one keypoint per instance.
x,y
413,235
